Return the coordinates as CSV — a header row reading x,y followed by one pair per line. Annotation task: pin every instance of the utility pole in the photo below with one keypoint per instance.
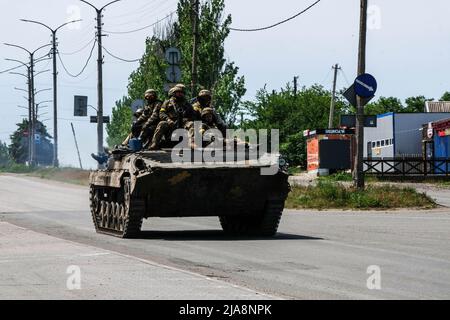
x,y
99,74
55,85
195,22
32,62
30,141
295,86
76,145
333,97
358,174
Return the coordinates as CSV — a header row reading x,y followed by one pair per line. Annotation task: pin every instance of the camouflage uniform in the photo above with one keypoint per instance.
x,y
147,118
135,130
150,122
208,122
204,101
175,113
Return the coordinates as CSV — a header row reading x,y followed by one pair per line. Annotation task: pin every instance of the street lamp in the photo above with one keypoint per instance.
x,y
18,74
99,73
29,103
31,83
55,87
42,90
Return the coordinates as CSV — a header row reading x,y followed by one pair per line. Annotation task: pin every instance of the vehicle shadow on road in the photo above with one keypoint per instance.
x,y
216,235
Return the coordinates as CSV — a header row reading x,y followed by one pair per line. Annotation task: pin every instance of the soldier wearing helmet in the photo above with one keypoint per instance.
x,y
175,113
150,119
144,125
204,98
209,120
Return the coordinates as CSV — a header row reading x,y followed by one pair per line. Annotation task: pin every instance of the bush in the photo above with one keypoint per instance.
x,y
327,195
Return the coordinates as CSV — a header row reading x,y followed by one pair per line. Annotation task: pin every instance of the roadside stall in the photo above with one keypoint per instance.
x,y
329,150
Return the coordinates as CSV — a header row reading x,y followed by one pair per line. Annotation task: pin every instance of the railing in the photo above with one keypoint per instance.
x,y
403,166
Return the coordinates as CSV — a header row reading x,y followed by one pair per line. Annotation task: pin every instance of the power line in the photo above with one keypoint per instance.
x,y
149,12
84,68
138,10
278,23
79,50
76,120
5,71
118,58
143,28
345,77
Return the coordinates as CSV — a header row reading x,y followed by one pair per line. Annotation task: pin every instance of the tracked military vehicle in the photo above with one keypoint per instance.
x,y
148,184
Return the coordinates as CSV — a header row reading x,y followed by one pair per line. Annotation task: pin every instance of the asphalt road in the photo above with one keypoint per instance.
x,y
45,227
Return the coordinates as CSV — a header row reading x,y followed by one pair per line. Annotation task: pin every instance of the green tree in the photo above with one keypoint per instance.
x,y
18,149
214,71
416,104
445,96
5,158
384,105
292,114
118,129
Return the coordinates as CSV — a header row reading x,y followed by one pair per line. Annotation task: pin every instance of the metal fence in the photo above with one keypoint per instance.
x,y
403,166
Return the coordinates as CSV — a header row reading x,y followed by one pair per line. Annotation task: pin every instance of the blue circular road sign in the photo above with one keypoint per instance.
x,y
365,85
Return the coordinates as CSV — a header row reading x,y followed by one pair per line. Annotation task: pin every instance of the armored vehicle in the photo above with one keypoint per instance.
x,y
148,184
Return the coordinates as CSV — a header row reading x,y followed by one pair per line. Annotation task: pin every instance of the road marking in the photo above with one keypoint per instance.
x,y
95,254
219,283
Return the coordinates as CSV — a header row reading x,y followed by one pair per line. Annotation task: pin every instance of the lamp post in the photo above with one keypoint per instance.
x,y
99,74
32,97
55,86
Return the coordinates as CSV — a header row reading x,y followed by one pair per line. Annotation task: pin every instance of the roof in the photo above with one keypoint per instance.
x,y
441,124
437,106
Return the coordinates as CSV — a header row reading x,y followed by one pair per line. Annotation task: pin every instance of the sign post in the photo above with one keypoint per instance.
x,y
173,71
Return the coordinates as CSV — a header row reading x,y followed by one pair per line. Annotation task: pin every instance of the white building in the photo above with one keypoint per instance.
x,y
398,134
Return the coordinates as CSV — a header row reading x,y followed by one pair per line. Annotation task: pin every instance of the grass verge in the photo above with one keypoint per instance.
x,y
68,175
331,195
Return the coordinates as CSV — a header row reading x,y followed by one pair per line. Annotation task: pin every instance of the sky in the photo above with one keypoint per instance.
x,y
408,51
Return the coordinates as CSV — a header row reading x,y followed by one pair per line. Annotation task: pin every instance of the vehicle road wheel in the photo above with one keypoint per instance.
x,y
265,225
134,212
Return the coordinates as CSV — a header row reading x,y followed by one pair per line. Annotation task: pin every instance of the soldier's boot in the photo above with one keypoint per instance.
x,y
125,142
101,159
153,146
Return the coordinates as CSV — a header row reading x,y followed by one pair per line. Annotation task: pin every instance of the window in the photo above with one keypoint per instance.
x,y
382,143
387,142
373,144
378,143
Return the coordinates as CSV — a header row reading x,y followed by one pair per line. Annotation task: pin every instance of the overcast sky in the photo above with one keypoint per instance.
x,y
408,51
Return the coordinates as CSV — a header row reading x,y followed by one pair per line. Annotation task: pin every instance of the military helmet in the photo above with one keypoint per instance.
x,y
181,86
150,91
172,91
139,112
204,93
207,111
177,88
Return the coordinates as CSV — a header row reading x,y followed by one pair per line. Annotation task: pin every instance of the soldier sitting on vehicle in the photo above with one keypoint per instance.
x,y
204,101
175,113
151,122
144,126
135,128
209,122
